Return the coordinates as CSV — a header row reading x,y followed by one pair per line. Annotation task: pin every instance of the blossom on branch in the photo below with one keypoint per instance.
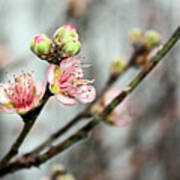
x,y
67,83
119,116
149,39
143,44
22,95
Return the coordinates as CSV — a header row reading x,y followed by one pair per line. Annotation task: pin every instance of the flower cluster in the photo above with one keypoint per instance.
x,y
143,43
150,39
65,43
65,81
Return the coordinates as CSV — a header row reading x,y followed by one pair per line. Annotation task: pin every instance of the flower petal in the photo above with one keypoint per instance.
x,y
111,94
87,93
8,110
66,100
120,122
50,74
69,63
3,97
23,110
117,119
40,89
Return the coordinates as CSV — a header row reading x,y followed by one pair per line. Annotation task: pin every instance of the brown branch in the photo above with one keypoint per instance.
x,y
37,160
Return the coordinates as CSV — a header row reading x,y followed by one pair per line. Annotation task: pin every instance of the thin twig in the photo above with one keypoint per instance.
x,y
58,133
22,163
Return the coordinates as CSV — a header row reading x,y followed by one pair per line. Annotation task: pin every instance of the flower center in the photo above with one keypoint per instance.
x,y
21,92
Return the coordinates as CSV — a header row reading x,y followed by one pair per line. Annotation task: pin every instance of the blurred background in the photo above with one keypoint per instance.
x,y
149,147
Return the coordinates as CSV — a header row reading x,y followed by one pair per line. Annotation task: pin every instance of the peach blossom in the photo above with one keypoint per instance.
x,y
67,83
22,95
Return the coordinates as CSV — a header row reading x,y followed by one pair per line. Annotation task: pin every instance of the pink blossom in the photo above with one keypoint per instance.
x,y
67,83
22,95
120,116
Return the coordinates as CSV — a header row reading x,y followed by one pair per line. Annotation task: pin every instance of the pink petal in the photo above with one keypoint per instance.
x,y
111,94
25,109
69,62
120,122
40,89
87,93
118,119
3,97
50,74
66,100
8,110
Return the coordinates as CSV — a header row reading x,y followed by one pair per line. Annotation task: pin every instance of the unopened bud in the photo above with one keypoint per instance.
x,y
136,37
65,33
66,40
41,45
71,48
152,39
118,65
58,172
57,169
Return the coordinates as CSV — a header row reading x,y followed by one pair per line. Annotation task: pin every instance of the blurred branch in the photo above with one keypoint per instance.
x,y
23,162
29,120
57,134
77,8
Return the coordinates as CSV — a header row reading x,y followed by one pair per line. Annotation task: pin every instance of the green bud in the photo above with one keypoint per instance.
x,y
64,33
58,168
71,48
118,65
41,45
136,36
66,40
152,39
